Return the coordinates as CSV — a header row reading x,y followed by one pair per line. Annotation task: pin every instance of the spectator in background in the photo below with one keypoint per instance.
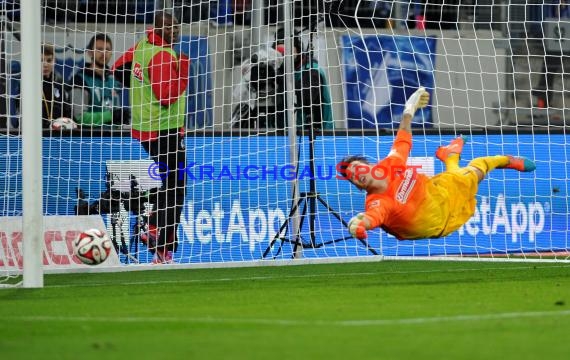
x,y
96,93
55,95
159,78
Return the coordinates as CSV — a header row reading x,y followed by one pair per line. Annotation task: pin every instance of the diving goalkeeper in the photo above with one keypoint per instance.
x,y
410,205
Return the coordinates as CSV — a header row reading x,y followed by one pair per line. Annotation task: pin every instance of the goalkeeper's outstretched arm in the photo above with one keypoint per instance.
x,y
364,221
406,123
403,143
418,100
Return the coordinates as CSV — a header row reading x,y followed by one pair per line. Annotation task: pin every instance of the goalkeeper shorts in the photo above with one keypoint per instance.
x,y
455,192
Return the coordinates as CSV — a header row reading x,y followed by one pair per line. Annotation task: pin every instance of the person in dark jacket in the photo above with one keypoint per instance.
x,y
56,101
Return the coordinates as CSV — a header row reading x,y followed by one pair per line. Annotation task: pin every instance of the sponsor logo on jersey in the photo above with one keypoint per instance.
x,y
406,186
138,72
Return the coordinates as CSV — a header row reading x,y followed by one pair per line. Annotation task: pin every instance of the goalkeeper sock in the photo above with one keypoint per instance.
x,y
489,163
452,162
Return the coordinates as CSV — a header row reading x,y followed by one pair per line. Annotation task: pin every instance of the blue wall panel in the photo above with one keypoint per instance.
x,y
234,220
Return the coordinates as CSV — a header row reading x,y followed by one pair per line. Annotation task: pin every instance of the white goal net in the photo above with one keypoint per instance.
x,y
209,132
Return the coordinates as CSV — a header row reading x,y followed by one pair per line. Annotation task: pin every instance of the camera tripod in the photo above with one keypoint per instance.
x,y
308,200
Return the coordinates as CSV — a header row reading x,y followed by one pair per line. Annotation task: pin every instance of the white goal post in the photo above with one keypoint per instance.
x,y
32,197
270,95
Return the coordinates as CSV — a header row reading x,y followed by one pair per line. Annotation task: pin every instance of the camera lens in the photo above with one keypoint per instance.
x,y
263,78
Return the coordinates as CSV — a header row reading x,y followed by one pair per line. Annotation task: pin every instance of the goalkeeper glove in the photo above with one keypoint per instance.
x,y
357,228
418,100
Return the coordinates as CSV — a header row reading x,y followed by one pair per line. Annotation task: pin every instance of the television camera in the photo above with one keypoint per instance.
x,y
113,202
260,91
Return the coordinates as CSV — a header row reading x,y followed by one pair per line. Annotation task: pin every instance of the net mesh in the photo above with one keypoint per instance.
x,y
213,89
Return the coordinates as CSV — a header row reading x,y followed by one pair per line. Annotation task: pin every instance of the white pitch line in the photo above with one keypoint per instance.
x,y
289,322
305,276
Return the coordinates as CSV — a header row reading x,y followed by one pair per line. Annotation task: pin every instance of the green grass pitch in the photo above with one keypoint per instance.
x,y
381,310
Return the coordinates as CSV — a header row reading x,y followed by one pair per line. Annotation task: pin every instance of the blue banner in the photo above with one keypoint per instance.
x,y
239,194
381,72
199,104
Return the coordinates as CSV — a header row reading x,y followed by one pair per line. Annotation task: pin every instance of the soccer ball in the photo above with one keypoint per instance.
x,y
92,247
63,123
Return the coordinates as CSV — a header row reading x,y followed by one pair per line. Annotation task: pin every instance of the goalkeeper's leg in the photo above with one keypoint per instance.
x,y
450,154
486,164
